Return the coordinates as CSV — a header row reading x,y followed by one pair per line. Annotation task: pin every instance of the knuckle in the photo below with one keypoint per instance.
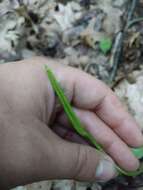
x,y
109,146
116,102
81,159
85,167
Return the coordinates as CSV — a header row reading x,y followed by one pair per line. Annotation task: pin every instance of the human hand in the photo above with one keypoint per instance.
x,y
31,118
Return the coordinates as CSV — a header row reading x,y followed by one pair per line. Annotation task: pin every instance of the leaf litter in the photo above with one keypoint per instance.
x,y
101,37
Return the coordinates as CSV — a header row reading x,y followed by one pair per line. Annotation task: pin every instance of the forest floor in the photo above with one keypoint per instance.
x,y
101,37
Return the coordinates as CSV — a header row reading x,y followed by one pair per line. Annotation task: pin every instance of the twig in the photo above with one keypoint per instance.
x,y
117,48
115,57
134,21
23,11
131,11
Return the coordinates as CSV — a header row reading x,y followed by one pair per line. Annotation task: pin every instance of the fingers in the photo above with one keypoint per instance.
x,y
81,162
31,152
54,158
60,159
84,163
113,114
68,134
88,93
111,143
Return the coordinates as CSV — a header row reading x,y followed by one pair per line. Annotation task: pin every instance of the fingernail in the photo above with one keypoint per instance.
x,y
105,170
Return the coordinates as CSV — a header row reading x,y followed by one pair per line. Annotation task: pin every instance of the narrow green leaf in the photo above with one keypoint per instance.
x,y
79,128
138,152
131,174
69,111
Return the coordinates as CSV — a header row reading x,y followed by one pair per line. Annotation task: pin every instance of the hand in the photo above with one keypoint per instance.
x,y
32,124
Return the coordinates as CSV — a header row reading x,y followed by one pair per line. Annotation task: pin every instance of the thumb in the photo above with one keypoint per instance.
x,y
82,162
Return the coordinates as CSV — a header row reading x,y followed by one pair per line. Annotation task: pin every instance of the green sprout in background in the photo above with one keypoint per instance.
x,y
76,124
105,45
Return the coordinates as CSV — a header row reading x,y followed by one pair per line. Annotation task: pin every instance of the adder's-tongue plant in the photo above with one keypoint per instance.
x,y
76,124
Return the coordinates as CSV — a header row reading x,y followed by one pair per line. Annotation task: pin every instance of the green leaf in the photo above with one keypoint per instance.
x,y
130,174
79,128
105,45
138,152
69,111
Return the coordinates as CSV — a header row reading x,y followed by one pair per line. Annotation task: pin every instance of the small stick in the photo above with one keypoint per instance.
x,y
117,48
131,11
134,21
115,57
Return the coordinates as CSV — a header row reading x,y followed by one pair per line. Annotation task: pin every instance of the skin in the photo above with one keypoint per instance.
x,y
34,143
